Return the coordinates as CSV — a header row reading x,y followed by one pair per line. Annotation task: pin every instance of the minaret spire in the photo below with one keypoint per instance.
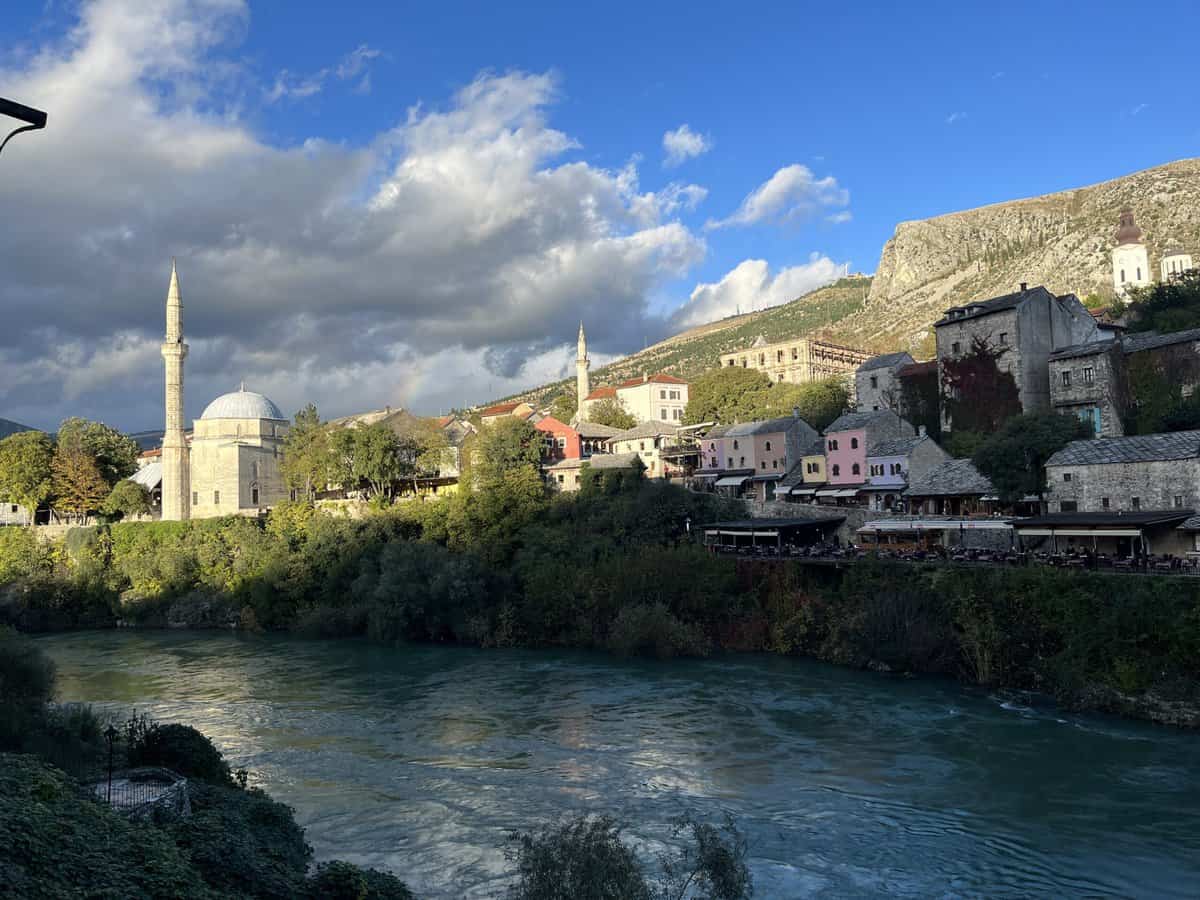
x,y
176,481
582,363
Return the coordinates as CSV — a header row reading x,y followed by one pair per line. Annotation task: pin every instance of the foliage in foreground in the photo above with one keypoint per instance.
x,y
585,858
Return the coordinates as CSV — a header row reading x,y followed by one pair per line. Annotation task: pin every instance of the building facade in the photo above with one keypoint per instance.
x,y
848,438
1024,329
646,440
236,446
1126,474
797,361
1130,261
876,385
892,462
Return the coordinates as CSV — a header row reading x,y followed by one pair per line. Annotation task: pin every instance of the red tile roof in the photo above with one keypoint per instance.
x,y
660,378
501,409
601,392
444,421
150,454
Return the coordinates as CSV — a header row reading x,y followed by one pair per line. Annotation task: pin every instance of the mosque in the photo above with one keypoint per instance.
x,y
230,466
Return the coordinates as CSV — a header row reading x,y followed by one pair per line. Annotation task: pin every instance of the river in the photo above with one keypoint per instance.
x,y
847,784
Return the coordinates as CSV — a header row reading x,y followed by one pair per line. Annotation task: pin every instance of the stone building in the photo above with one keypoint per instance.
x,y
646,439
876,382
1126,474
1024,328
797,361
953,487
893,462
1092,380
230,466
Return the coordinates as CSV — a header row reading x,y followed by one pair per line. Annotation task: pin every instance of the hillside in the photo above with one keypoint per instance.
x,y
690,352
7,427
1060,240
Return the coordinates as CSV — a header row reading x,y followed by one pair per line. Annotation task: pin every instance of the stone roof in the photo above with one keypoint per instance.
x,y
928,367
1192,523
645,429
717,431
612,460
763,426
854,420
148,476
953,478
595,430
816,448
886,361
1132,343
896,446
1090,348
994,305
1131,449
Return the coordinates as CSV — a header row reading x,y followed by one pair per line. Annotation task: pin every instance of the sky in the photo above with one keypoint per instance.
x,y
377,203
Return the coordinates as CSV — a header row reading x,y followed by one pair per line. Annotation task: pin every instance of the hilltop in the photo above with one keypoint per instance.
x,y
7,427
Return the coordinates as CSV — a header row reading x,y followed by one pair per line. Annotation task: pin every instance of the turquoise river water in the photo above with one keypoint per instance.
x,y
848,784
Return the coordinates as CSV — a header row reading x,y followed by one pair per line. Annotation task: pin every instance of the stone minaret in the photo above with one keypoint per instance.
x,y
581,376
176,483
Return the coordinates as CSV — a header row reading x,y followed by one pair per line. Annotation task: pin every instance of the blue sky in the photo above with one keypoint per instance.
x,y
846,118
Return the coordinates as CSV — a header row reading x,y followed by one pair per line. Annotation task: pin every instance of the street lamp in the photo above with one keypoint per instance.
x,y
34,118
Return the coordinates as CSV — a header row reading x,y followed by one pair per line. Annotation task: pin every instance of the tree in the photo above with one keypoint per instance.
x,y
916,398
307,453
1171,305
611,413
126,499
380,459
819,402
1014,458
564,406
116,454
505,446
977,395
725,394
79,488
26,470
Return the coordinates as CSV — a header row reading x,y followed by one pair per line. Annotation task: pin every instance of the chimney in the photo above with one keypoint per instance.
x,y
1024,287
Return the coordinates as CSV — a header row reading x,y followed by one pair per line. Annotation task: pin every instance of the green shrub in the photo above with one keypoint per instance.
x,y
243,842
26,673
583,859
651,630
56,843
339,880
180,748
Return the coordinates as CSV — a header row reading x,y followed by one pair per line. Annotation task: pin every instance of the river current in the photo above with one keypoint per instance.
x,y
847,784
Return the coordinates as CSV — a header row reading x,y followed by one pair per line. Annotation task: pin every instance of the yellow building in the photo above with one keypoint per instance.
x,y
797,361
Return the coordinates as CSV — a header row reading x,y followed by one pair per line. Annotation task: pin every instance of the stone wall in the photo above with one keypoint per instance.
x,y
1097,380
1155,484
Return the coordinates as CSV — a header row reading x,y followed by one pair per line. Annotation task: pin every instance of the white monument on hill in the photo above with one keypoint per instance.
x,y
1131,262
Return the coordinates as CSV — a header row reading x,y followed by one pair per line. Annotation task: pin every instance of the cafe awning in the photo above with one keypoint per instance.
x,y
853,492
828,492
803,491
732,480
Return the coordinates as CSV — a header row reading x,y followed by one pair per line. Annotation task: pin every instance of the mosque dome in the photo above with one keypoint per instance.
x,y
1127,230
242,404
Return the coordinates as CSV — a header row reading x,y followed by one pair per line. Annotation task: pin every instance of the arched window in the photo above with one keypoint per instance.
x,y
853,443
837,470
768,445
856,469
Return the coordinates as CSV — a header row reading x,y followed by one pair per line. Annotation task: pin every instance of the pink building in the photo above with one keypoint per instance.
x,y
848,438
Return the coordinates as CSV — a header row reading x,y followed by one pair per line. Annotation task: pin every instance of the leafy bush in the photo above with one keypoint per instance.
x,y
583,859
56,843
243,842
339,880
180,748
651,630
26,673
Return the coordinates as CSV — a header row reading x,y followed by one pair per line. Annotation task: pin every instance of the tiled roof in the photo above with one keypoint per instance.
x,y
917,368
995,304
896,446
595,430
717,431
794,476
1134,448
1132,343
816,448
601,392
645,429
953,478
774,426
1088,349
501,409
855,420
885,361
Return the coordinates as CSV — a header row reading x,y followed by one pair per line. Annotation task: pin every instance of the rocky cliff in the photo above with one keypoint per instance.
x,y
1060,240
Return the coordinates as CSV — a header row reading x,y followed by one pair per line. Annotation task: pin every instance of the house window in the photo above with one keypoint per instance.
x,y
763,464
795,353
954,348
562,443
779,378
774,464
874,381
1122,276
743,362
1089,375
662,395
1068,506
663,413
762,359
677,415
216,498
1179,501
856,469
837,470
778,356
1139,271
735,445
1136,502
1066,377
853,443
254,496
1003,337
195,498
741,460
560,479
768,445
1066,476
730,466
641,445
833,445
1104,503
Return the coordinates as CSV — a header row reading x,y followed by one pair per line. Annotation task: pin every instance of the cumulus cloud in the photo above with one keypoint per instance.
x,y
750,286
683,144
431,262
790,195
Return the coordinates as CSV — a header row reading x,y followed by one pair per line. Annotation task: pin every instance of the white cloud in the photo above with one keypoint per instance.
x,y
750,286
1138,109
955,117
352,65
840,218
683,144
465,233
790,195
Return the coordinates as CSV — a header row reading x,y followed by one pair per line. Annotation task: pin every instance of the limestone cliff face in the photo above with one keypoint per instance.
x,y
1061,240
